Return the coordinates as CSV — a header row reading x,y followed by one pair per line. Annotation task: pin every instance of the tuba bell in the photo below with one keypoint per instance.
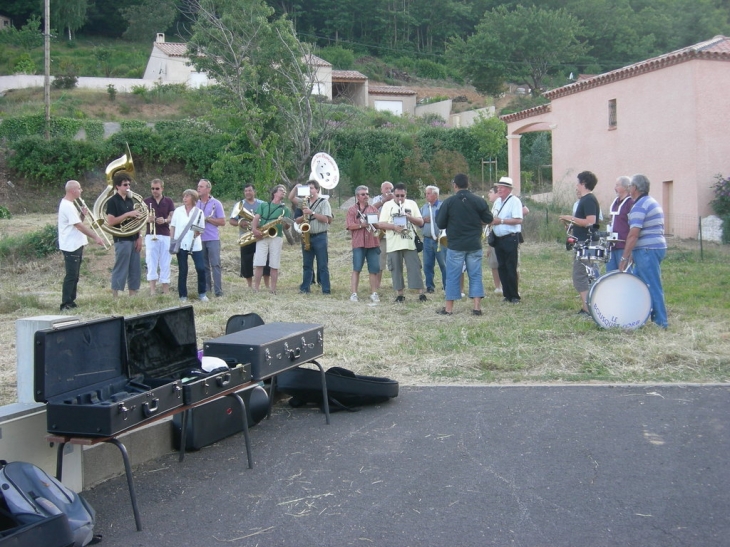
x,y
131,226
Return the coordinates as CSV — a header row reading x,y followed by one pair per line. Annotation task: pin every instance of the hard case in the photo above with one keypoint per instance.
x,y
270,348
162,346
214,421
81,372
49,532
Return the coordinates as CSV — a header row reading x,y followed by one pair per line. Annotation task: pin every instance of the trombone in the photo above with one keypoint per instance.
x,y
94,222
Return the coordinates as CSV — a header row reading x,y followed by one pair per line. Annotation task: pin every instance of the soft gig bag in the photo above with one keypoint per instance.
x,y
345,389
32,496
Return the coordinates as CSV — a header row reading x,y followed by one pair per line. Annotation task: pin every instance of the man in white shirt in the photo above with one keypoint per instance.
x,y
72,237
507,225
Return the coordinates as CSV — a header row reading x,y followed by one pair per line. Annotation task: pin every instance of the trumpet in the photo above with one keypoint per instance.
x,y
94,223
269,230
153,222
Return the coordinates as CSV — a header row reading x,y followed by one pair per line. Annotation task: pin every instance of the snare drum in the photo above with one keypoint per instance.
x,y
591,253
619,299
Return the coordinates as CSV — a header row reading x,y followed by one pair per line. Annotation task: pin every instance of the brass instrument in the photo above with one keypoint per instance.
x,y
443,240
94,223
241,213
269,230
306,237
130,226
153,222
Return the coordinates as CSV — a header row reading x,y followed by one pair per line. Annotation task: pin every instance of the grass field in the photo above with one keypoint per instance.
x,y
540,341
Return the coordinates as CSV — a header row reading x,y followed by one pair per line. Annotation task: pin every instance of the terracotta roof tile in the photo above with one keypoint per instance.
x,y
522,114
313,60
389,90
348,75
172,49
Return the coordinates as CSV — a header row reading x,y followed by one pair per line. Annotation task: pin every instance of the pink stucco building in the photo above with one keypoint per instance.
x,y
666,117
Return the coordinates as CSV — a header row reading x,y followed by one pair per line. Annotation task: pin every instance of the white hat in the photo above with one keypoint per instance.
x,y
505,181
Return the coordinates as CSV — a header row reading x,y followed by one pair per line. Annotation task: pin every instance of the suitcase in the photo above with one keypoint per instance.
x,y
162,346
214,421
270,348
49,532
81,372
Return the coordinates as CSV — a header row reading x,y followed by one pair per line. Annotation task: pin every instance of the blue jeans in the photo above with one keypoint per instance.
x,y
615,260
455,264
317,248
430,258
647,266
182,274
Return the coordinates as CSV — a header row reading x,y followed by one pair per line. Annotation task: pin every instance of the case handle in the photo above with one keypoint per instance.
x,y
150,407
224,380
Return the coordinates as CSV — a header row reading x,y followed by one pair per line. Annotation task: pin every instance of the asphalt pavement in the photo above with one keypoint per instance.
x,y
450,466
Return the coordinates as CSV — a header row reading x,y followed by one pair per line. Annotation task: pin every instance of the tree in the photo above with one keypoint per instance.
x,y
264,82
148,18
523,45
68,14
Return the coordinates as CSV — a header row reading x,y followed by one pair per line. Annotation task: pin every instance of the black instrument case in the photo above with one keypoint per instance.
x,y
162,347
270,348
81,372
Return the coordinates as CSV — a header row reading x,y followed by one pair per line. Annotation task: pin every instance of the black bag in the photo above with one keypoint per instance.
x,y
345,389
418,242
491,239
32,496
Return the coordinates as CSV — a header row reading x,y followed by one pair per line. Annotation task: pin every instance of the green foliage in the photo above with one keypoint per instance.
x,y
27,38
148,18
24,65
66,81
429,69
29,246
341,58
35,125
721,201
112,92
69,14
356,171
4,212
59,159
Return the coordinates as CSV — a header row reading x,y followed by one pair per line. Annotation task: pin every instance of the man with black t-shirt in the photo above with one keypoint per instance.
x,y
585,216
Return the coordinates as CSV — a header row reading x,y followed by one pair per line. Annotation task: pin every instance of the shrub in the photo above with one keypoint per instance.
x,y
59,159
721,202
31,245
4,212
24,65
65,81
429,69
341,58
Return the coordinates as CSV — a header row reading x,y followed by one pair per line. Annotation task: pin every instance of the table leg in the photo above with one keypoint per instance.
x,y
246,436
325,397
130,482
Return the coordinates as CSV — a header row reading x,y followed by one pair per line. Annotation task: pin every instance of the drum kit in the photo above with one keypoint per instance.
x,y
617,299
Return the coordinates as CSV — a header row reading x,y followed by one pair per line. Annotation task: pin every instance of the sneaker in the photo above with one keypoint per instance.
x,y
498,290
422,298
183,299
443,311
353,297
476,312
375,298
204,298
430,291
400,299
463,295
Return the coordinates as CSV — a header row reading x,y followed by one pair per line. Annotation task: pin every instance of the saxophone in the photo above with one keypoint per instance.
x,y
304,228
269,230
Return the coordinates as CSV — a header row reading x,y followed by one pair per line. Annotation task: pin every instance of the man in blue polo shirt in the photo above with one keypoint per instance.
x,y
646,246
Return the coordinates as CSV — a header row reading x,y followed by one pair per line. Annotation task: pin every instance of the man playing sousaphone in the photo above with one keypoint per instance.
x,y
316,212
269,247
127,262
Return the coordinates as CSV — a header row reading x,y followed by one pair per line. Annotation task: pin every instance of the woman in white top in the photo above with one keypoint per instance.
x,y
185,230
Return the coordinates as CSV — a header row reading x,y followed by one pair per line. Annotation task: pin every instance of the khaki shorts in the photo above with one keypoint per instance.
x,y
268,247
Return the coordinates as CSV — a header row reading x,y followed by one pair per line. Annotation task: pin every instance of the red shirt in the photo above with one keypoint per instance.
x,y
362,237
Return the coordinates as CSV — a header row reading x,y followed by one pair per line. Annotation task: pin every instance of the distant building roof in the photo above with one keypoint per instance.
x,y
389,90
716,49
534,111
172,49
348,76
313,60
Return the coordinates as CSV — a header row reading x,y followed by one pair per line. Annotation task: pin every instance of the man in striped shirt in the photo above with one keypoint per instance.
x,y
646,246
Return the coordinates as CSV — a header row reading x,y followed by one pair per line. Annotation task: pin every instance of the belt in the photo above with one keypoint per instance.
x,y
317,234
508,235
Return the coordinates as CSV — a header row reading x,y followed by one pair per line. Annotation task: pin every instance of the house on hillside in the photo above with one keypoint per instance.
x,y
169,64
666,117
5,22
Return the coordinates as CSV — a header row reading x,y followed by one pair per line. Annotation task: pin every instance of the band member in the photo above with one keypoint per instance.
x,y
72,237
316,211
399,218
127,262
463,216
386,194
250,203
214,217
507,225
157,240
583,219
269,247
432,252
365,243
186,227
620,208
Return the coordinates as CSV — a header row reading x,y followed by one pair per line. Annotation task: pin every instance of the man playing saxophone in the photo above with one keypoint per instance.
x,y
127,263
269,247
249,203
157,240
72,237
316,212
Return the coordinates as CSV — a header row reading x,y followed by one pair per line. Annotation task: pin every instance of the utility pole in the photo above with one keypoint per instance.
x,y
47,63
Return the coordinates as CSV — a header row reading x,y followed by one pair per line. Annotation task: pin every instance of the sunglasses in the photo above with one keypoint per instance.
x,y
125,184
400,195
363,194
157,189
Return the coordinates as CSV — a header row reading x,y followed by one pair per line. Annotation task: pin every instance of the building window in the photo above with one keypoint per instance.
x,y
612,121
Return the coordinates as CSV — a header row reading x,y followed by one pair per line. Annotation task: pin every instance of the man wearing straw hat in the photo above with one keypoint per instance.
x,y
506,226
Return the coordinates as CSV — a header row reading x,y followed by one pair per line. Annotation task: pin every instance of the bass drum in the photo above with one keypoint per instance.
x,y
619,299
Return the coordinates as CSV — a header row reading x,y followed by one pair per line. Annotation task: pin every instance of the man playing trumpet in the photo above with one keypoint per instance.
x,y
72,237
157,240
365,243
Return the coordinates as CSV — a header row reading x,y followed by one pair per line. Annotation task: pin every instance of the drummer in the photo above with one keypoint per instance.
x,y
585,216
620,208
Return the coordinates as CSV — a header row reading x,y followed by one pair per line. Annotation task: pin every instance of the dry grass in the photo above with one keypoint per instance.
x,y
541,340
